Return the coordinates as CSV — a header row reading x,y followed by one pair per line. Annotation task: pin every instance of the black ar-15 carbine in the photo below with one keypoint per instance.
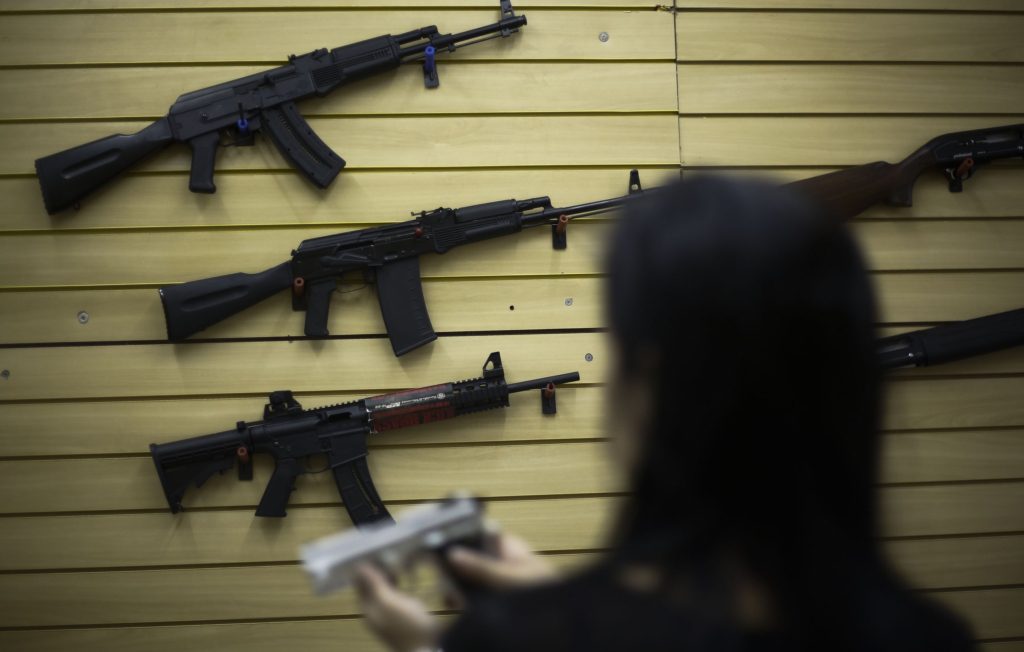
x,y
292,435
266,100
388,254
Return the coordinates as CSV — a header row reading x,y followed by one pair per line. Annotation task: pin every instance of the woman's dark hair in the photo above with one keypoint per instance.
x,y
752,317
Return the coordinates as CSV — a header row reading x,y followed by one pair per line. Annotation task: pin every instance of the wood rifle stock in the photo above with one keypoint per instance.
x,y
844,194
847,193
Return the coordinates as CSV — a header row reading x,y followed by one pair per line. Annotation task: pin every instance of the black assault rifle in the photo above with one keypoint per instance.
x,y
291,435
238,109
387,254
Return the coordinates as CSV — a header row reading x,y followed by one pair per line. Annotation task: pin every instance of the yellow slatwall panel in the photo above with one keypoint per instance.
x,y
544,113
92,558
788,89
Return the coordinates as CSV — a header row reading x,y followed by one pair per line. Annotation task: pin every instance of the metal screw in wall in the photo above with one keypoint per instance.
x,y
603,37
5,374
83,317
589,357
568,301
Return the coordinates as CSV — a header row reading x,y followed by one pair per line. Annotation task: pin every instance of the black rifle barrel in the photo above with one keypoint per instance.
x,y
953,341
551,215
541,383
445,41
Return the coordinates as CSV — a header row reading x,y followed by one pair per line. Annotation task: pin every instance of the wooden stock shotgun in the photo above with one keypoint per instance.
x,y
847,193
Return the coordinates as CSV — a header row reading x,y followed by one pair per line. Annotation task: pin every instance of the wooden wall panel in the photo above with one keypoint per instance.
x,y
789,88
878,5
285,198
547,87
397,142
817,140
73,259
857,88
854,36
262,37
498,304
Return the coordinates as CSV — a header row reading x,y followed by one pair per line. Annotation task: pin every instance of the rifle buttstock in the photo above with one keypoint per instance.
x,y
196,305
66,177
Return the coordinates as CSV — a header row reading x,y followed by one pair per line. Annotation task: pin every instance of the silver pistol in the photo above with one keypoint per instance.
x,y
422,531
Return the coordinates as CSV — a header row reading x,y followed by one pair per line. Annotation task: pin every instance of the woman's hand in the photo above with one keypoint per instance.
x,y
399,620
403,623
511,563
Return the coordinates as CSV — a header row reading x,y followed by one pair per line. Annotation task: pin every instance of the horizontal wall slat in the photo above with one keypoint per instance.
x,y
959,562
119,427
817,141
189,255
182,595
372,196
269,37
956,456
126,93
401,474
840,36
236,536
995,191
916,402
1002,646
942,296
140,5
351,634
553,524
201,369
890,5
473,141
875,89
125,258
279,592
126,315
993,613
936,510
303,366
313,635
520,304
359,196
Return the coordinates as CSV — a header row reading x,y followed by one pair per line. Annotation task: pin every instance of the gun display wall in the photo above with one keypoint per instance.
x,y
564,108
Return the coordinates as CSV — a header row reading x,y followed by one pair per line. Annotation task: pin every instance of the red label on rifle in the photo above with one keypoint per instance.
x,y
410,408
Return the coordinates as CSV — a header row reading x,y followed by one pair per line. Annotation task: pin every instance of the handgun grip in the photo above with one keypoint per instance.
x,y
358,493
66,177
282,482
191,307
400,292
318,306
300,145
204,154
